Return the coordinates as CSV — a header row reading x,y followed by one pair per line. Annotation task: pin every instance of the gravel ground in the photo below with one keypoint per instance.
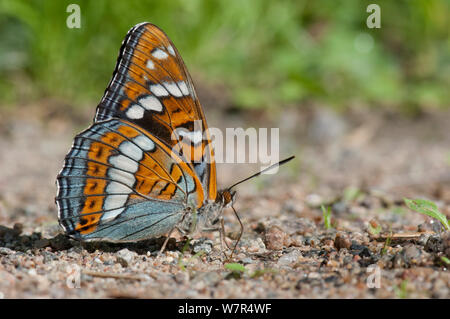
x,y
361,163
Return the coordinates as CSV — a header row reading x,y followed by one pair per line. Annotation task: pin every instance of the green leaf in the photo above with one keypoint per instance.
x,y
428,208
445,260
387,243
235,267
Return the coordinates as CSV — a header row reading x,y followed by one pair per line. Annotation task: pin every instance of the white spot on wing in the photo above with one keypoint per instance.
x,y
121,176
111,214
171,50
151,103
173,89
135,112
144,142
114,204
195,136
158,90
131,150
150,65
183,87
125,163
115,201
117,188
159,54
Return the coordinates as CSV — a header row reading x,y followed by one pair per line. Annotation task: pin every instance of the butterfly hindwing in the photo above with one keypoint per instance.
x,y
118,174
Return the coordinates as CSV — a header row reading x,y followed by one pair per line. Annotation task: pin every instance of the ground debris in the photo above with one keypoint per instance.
x,y
285,250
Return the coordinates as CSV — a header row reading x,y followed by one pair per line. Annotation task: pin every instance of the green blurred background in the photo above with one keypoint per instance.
x,y
265,53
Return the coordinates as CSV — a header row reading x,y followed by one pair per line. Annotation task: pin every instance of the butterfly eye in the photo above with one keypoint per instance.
x,y
228,198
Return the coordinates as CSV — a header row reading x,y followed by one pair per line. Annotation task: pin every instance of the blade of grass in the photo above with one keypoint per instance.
x,y
387,243
428,208
326,216
180,258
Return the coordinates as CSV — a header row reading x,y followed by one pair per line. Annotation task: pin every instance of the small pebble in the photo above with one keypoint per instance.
x,y
411,254
342,241
6,251
314,200
434,244
169,259
256,245
275,238
181,277
440,289
205,245
289,258
299,226
360,250
206,278
124,257
340,207
446,243
430,225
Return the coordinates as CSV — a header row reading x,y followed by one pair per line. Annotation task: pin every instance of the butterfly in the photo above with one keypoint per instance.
x,y
146,165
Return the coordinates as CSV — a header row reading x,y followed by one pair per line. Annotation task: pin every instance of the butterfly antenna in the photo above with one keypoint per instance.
x,y
236,214
264,170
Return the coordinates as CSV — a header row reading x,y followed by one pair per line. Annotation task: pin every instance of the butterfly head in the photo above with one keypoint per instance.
x,y
226,198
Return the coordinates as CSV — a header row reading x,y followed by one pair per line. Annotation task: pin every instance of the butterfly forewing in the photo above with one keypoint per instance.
x,y
152,88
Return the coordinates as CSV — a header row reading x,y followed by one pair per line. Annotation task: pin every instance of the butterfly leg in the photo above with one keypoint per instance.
x,y
222,233
240,234
165,243
182,232
221,230
223,240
